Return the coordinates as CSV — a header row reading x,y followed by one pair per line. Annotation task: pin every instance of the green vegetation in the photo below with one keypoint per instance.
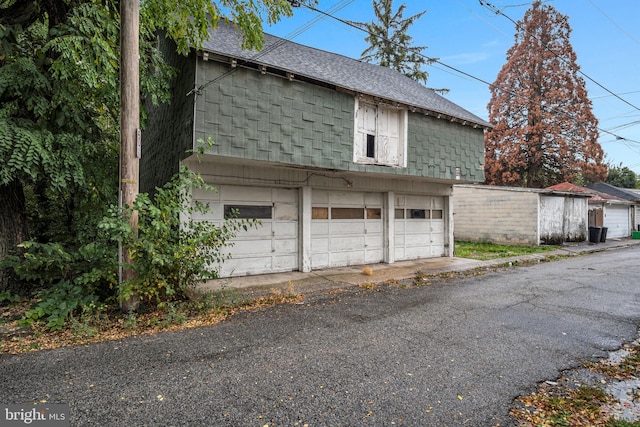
x,y
59,142
96,322
487,251
171,257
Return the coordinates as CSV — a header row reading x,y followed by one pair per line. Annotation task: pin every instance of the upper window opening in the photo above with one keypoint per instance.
x,y
380,134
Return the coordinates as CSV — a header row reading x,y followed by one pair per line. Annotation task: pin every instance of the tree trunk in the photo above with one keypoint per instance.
x,y
13,228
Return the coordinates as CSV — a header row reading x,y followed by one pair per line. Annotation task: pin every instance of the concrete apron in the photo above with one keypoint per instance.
x,y
296,282
335,278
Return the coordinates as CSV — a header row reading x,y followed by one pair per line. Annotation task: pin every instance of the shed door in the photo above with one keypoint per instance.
x,y
419,227
346,228
271,247
618,221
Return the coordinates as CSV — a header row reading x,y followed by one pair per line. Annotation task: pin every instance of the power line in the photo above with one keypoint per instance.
x,y
614,22
295,33
499,12
464,73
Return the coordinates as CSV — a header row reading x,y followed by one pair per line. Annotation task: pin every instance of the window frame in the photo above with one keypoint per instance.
x,y
376,139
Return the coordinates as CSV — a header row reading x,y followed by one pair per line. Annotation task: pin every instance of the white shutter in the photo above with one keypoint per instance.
x,y
365,124
389,135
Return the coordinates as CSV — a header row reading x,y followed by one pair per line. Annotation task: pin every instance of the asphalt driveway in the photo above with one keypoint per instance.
x,y
447,354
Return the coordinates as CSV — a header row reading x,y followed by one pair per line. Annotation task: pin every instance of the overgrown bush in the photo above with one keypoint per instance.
x,y
171,252
67,279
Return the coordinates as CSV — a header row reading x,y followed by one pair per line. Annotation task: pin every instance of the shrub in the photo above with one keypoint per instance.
x,y
171,251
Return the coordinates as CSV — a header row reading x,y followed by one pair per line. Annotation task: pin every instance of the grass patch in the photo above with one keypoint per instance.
x,y
488,251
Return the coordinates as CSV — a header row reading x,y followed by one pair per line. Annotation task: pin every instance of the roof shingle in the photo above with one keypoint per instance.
x,y
335,69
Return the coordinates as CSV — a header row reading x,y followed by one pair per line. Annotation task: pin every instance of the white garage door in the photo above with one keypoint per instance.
x,y
618,221
419,227
346,228
272,246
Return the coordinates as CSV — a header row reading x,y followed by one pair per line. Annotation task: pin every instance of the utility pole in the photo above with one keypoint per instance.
x,y
129,126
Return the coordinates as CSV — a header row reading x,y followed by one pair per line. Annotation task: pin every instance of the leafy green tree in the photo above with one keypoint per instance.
x,y
390,44
622,177
545,131
59,103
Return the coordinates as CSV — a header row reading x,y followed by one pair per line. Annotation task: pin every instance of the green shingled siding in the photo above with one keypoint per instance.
x,y
264,117
437,147
256,116
168,131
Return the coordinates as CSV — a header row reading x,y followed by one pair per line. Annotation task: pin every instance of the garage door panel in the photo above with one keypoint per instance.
x,y
346,234
250,248
420,226
320,245
285,229
285,246
319,228
260,231
617,221
271,246
288,212
373,256
346,243
350,228
283,262
347,258
372,242
419,237
320,259
373,227
416,252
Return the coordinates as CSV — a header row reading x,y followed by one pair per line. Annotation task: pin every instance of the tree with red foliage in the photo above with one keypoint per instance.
x,y
545,131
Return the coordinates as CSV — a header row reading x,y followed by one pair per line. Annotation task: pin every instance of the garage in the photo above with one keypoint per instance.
x,y
271,247
346,228
617,219
419,227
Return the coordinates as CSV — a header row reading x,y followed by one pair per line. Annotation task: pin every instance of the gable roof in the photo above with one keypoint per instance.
x,y
596,196
337,70
621,193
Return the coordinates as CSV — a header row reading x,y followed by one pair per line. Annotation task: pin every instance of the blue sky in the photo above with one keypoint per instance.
x,y
467,36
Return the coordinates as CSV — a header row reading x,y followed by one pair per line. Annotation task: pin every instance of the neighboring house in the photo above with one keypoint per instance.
x,y
519,216
629,194
343,162
605,210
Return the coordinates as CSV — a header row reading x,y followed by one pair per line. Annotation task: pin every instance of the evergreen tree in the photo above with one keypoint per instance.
x,y
545,131
389,43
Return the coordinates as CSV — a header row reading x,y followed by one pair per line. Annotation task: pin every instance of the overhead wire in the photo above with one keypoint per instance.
x,y
464,73
295,33
499,12
614,22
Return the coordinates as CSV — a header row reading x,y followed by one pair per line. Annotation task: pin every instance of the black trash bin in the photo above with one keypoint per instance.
x,y
594,234
603,234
